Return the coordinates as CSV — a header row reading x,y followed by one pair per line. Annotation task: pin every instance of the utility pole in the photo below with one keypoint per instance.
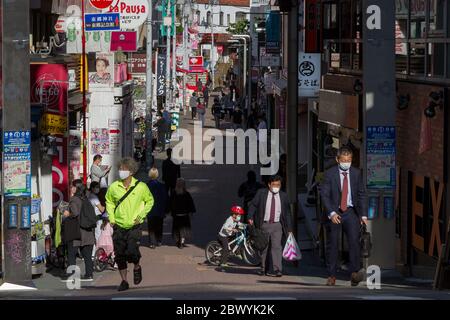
x,y
169,31
292,117
16,234
149,88
174,53
212,42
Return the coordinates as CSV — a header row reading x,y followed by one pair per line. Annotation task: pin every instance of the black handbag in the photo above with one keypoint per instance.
x,y
366,242
71,228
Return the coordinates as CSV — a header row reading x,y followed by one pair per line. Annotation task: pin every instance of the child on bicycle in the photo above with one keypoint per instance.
x,y
229,229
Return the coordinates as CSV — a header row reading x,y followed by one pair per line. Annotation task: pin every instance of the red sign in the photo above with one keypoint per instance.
x,y
49,86
101,4
196,61
125,41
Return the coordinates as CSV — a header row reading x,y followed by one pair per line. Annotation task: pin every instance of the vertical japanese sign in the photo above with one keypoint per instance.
x,y
161,75
381,157
138,63
309,74
17,163
49,85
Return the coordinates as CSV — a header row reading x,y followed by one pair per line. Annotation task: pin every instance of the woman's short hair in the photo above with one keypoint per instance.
x,y
104,60
153,174
93,185
130,164
97,157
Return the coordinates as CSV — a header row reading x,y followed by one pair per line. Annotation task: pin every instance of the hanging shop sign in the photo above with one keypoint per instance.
x,y
53,124
102,21
17,163
161,75
50,85
309,74
138,63
196,62
133,13
101,4
125,41
381,157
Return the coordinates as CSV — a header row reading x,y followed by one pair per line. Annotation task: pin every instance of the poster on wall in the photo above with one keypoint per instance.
x,y
100,141
17,163
75,154
114,135
101,70
381,157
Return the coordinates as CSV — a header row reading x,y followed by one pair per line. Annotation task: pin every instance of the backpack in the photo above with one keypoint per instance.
x,y
259,238
88,218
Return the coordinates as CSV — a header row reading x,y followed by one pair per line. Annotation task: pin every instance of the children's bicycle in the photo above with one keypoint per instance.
x,y
103,260
240,247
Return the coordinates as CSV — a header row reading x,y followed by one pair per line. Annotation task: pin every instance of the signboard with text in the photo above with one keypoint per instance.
x,y
381,157
138,63
17,163
309,74
133,13
161,75
102,21
125,41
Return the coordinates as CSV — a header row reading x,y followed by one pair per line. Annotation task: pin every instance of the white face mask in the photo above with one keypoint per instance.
x,y
238,218
123,174
275,190
345,165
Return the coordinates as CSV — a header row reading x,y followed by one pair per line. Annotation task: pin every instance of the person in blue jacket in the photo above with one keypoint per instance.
x,y
155,218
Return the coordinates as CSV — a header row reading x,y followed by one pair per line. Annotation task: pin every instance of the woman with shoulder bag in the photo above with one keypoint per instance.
x,y
74,235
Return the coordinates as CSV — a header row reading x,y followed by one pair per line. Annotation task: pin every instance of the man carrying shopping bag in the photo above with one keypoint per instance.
x,y
270,211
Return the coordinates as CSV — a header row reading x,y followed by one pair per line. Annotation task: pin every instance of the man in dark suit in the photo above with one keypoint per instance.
x,y
344,199
270,211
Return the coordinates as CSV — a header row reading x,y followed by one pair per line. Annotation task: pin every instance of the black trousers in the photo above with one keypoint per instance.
x,y
194,113
225,250
71,254
155,229
350,224
86,252
126,245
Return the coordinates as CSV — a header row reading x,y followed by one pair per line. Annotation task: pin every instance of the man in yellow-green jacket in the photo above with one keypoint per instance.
x,y
128,201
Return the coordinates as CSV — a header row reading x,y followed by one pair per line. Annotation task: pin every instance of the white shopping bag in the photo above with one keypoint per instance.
x,y
291,250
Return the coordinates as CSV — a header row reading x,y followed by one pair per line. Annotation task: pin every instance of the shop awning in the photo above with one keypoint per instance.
x,y
279,86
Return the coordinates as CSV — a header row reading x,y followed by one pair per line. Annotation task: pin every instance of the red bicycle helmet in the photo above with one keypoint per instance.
x,y
237,210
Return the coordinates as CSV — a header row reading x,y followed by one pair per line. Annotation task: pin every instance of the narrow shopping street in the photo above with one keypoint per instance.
x,y
173,273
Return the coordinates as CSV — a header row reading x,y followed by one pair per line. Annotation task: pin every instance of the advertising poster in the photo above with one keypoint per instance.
x,y
381,157
101,70
309,74
100,141
75,154
17,163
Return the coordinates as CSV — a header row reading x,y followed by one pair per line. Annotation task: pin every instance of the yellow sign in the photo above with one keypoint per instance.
x,y
53,124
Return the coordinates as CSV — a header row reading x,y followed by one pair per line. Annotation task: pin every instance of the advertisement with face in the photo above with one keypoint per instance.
x,y
101,70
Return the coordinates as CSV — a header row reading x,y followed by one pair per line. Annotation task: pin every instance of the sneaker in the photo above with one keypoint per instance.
x,y
261,272
137,276
123,286
276,274
87,278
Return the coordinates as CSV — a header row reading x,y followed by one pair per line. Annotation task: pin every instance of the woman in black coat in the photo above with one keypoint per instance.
x,y
181,206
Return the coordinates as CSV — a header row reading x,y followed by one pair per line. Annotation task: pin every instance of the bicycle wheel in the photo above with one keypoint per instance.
x,y
213,252
251,255
100,264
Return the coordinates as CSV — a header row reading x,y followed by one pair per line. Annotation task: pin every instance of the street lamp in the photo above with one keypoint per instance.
x,y
245,37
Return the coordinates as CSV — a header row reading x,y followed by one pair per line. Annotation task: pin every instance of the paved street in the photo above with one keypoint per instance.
x,y
171,273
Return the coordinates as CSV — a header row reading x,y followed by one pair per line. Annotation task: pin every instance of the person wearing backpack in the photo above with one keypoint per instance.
x,y
80,232
128,202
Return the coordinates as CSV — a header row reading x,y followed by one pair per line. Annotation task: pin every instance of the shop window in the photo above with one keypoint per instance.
x,y
417,59
208,18
418,19
346,20
436,16
436,59
346,55
330,22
